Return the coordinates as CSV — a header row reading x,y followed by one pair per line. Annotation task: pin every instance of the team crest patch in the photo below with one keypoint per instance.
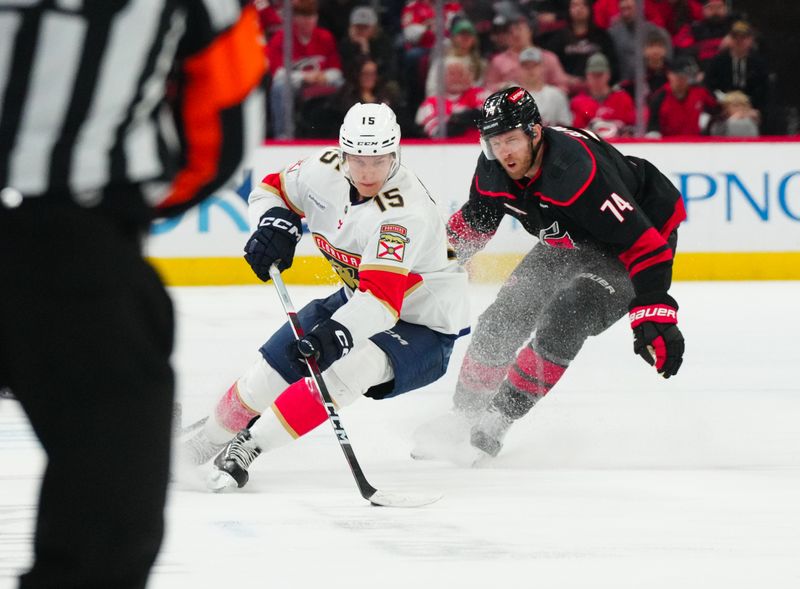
x,y
392,242
553,237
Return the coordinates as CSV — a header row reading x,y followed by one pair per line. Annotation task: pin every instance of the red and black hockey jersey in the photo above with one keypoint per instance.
x,y
585,193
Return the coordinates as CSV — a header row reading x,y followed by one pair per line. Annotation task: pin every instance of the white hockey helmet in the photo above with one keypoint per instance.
x,y
370,129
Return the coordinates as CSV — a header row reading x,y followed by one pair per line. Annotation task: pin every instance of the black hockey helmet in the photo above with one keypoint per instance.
x,y
512,108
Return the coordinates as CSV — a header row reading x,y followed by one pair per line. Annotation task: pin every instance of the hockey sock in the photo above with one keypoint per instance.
x,y
529,379
295,412
230,415
476,383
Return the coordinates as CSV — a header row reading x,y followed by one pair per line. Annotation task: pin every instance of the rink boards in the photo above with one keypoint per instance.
x,y
742,200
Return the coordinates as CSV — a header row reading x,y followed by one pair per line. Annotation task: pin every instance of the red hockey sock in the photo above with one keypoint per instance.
x,y
533,374
299,408
232,413
476,376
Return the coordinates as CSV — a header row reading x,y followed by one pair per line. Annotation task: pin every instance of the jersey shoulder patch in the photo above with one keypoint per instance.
x,y
392,240
569,167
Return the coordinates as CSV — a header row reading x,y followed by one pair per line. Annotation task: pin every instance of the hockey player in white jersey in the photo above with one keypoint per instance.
x,y
389,330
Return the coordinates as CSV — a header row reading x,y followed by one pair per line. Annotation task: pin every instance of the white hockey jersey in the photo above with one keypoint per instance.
x,y
391,251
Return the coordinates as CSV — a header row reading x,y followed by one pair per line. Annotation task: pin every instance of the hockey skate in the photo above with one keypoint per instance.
x,y
491,427
230,466
487,435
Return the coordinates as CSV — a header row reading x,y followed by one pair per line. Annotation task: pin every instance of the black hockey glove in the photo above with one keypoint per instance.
x,y
277,235
656,337
327,342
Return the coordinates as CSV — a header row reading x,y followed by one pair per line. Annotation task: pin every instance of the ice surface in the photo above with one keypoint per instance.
x,y
617,479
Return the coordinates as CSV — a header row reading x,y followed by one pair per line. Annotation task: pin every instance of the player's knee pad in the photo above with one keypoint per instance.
x,y
260,385
352,376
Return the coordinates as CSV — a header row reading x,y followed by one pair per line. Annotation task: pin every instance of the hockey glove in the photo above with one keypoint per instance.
x,y
656,337
327,342
277,235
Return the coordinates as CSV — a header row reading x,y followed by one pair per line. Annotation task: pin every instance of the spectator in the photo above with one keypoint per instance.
x,y
365,39
499,37
365,83
581,38
740,67
623,34
315,69
655,66
707,35
269,18
504,67
678,17
601,109
463,43
738,117
480,13
681,107
606,12
417,21
549,15
552,102
463,101
335,16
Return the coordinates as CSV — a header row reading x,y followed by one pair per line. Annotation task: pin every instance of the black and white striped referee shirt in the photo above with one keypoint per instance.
x,y
154,95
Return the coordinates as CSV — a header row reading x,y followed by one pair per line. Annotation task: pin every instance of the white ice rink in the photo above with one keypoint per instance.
x,y
618,479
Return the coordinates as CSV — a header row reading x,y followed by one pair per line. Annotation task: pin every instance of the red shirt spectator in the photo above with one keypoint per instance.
x,y
417,20
315,71
269,18
462,102
315,53
678,17
707,35
606,11
680,107
600,109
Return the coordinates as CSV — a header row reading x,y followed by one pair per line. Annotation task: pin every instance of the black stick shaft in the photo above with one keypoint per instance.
x,y
367,490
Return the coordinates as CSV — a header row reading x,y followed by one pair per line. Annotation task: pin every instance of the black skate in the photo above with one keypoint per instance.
x,y
232,463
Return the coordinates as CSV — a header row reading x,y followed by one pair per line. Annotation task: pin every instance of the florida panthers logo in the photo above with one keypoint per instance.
x,y
392,242
553,237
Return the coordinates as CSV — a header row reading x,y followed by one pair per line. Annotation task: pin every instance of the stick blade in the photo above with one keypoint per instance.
x,y
383,499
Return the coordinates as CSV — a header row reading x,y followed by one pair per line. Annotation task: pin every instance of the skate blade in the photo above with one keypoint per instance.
x,y
389,499
219,481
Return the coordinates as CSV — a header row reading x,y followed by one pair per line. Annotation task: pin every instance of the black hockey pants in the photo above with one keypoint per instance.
x,y
562,296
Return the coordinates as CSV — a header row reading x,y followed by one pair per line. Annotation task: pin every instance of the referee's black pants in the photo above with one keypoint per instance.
x,y
86,332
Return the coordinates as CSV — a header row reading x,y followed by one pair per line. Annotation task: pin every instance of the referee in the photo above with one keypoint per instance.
x,y
112,112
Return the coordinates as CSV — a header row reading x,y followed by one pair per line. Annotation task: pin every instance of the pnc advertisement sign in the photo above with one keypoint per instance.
x,y
740,197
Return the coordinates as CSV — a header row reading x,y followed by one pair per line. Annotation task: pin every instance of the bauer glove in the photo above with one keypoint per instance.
x,y
656,337
326,343
274,241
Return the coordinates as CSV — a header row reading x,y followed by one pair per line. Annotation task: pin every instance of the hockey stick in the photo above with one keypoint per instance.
x,y
368,492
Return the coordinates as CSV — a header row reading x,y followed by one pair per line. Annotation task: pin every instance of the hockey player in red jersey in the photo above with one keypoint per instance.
x,y
391,327
607,228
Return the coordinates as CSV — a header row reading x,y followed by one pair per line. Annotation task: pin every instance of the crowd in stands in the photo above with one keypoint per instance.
x,y
703,72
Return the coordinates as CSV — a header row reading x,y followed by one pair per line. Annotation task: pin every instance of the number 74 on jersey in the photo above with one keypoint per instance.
x,y
616,205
